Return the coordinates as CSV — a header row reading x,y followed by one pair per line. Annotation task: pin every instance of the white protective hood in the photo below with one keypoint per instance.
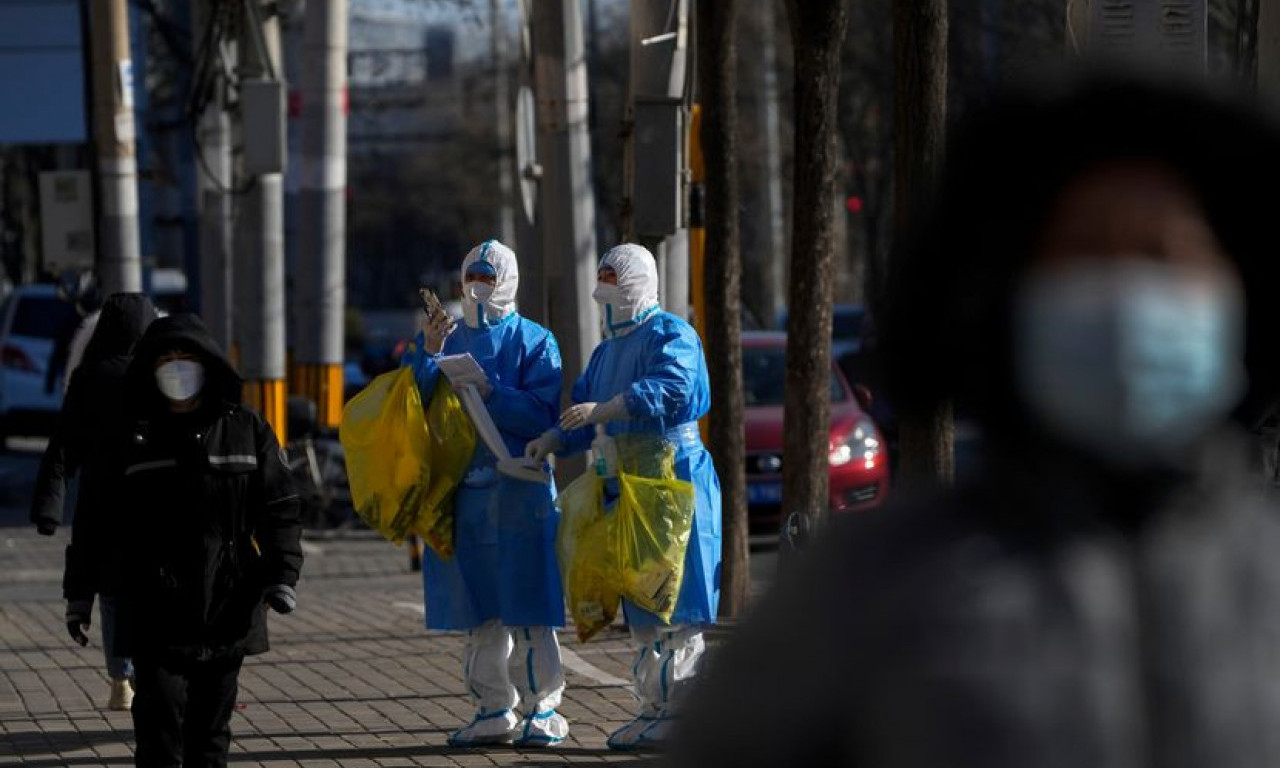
x,y
502,302
635,299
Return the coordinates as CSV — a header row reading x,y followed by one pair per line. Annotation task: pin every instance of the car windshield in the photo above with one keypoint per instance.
x,y
42,317
764,376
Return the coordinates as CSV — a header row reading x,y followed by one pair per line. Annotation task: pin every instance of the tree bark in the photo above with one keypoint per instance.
x,y
817,29
926,437
1247,42
717,80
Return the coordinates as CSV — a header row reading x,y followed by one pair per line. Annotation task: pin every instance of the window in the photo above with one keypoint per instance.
x,y
43,317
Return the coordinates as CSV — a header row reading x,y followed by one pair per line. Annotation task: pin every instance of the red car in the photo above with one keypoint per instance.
x,y
859,463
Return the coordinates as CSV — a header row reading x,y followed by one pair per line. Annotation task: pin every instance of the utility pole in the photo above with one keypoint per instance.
x,y
526,173
657,142
506,224
259,253
567,204
119,265
321,270
214,161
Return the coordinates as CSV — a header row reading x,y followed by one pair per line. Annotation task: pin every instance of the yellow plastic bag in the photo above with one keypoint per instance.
x,y
637,550
586,568
652,524
452,440
403,463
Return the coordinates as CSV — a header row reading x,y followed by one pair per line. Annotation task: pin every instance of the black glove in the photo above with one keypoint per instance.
x,y
281,598
79,619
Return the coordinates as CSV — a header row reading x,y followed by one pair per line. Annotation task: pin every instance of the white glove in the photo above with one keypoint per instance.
x,y
543,446
435,329
594,413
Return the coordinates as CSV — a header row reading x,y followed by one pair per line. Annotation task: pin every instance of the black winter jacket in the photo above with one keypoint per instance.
x,y
211,519
1044,618
91,413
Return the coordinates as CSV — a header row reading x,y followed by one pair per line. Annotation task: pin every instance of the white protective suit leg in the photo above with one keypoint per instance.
x,y
539,677
485,672
665,665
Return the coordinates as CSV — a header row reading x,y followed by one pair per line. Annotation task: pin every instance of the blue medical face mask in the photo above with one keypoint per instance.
x,y
1132,360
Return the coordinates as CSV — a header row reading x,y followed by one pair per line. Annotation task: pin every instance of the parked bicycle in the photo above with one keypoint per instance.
x,y
318,465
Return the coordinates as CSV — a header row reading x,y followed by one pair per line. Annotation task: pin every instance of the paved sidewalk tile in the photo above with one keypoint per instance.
x,y
353,679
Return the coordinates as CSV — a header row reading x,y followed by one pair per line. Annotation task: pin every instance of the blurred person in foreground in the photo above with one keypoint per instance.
x,y
80,446
1096,289
206,537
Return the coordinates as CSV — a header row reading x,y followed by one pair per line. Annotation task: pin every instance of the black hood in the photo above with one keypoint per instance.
x,y
124,318
187,333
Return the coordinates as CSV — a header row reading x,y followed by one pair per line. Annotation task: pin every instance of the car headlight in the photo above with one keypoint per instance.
x,y
862,444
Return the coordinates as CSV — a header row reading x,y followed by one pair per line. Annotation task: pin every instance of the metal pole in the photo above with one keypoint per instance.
x,y
502,117
526,173
214,162
216,287
659,54
567,202
321,274
259,261
118,262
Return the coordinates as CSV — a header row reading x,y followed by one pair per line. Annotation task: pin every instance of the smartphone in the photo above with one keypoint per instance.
x,y
430,302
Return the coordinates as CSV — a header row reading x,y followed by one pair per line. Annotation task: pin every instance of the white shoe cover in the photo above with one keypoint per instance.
x,y
493,728
628,737
545,729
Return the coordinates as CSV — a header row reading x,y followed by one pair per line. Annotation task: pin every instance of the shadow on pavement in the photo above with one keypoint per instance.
x,y
353,699
46,743
38,743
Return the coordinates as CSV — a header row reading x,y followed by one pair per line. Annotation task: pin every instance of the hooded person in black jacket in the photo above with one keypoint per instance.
x,y
91,410
209,535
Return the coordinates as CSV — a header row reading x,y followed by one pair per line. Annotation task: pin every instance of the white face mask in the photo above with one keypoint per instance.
x,y
618,316
479,292
1132,360
180,380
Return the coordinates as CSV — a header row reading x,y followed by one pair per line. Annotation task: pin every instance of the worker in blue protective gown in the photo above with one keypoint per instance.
x,y
649,376
503,584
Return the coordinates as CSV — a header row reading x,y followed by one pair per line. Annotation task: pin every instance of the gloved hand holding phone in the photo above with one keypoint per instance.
x,y
437,325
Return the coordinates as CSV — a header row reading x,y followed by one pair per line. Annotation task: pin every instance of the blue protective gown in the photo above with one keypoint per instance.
x,y
504,566
661,369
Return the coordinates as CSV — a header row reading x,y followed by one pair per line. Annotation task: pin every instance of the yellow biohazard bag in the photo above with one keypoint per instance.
x,y
586,568
637,549
403,461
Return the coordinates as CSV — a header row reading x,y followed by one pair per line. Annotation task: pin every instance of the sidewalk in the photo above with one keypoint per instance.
x,y
353,679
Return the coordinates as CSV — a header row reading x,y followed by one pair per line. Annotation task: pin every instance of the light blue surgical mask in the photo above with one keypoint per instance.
x,y
1133,360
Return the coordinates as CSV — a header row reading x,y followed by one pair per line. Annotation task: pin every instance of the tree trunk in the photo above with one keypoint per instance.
x,y
817,29
925,438
717,76
1247,42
